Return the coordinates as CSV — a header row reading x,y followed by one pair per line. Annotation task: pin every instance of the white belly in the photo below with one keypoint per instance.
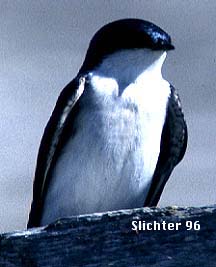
x,y
109,163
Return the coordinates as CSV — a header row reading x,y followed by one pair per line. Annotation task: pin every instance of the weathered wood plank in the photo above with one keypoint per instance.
x,y
108,240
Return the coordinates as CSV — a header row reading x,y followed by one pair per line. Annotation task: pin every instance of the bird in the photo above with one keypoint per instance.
x,y
116,132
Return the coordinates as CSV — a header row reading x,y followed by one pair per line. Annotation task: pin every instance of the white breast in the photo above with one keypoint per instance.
x,y
109,163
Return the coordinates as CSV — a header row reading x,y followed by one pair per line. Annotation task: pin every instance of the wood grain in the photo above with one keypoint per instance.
x,y
107,239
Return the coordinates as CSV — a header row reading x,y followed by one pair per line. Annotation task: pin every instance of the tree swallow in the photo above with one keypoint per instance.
x,y
116,132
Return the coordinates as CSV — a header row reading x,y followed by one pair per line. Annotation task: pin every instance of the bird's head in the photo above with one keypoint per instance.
x,y
125,34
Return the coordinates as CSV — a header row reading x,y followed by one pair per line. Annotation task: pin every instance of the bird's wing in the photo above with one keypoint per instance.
x,y
66,104
172,148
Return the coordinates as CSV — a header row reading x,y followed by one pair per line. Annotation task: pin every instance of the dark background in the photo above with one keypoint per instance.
x,y
42,46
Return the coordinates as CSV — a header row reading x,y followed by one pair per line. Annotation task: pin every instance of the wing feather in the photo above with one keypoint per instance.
x,y
51,137
172,150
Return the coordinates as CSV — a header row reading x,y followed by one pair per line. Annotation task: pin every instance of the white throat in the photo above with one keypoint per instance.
x,y
128,66
119,70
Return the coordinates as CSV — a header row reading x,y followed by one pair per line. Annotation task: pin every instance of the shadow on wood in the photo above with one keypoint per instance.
x,y
107,239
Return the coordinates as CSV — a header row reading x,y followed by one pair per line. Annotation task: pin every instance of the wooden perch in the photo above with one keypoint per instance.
x,y
107,239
